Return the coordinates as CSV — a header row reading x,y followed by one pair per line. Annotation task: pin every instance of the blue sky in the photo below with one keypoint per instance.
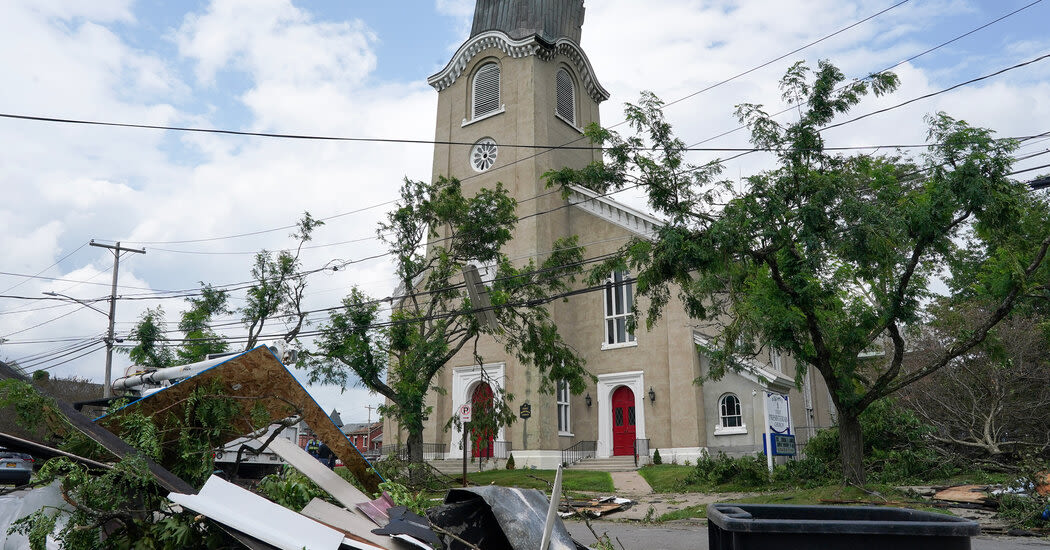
x,y
356,68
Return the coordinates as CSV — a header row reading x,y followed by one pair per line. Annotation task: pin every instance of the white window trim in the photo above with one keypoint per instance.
x,y
558,116
607,315
568,407
735,430
720,428
502,109
608,346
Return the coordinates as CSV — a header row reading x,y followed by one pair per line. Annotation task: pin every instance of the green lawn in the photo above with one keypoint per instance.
x,y
665,478
872,495
572,480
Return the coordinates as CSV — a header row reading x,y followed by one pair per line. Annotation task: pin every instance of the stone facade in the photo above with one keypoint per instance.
x,y
683,418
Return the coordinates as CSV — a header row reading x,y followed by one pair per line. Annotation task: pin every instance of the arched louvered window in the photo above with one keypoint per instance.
x,y
486,90
566,107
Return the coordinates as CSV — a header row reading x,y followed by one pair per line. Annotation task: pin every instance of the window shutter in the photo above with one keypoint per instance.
x,y
486,90
566,97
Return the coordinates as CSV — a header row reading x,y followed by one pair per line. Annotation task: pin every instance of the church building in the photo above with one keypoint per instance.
x,y
523,78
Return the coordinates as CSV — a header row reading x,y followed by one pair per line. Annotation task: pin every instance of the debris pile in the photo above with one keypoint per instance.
x,y
485,517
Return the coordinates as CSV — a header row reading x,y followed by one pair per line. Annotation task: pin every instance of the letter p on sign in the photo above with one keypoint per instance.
x,y
464,412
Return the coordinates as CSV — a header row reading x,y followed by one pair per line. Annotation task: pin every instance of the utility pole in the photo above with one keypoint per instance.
x,y
368,431
107,388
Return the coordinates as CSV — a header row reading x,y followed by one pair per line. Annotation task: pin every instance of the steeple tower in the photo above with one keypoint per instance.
x,y
520,79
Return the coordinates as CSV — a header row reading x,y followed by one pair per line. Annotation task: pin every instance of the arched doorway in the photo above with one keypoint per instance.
x,y
482,440
623,421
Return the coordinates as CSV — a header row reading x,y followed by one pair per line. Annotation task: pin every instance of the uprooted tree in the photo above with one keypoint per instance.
x,y
828,256
432,234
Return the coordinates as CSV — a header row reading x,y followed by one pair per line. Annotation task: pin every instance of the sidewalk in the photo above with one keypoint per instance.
x,y
633,486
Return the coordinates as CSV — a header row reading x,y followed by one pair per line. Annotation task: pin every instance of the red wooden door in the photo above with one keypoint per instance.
x,y
481,400
623,421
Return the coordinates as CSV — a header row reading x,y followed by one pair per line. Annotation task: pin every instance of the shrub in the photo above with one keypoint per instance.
x,y
804,472
510,462
656,457
896,446
746,471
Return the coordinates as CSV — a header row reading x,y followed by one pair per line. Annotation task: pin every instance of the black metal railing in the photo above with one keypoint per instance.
x,y
641,449
430,450
578,452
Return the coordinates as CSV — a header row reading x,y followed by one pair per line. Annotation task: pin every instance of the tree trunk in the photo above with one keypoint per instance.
x,y
851,447
415,442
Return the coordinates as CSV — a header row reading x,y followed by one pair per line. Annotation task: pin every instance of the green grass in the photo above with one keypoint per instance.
x,y
690,512
572,480
665,478
874,495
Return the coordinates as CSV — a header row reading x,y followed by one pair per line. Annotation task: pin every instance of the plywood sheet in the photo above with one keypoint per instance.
x,y
973,494
352,523
259,380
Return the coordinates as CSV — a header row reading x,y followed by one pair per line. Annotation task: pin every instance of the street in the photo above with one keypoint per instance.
x,y
635,536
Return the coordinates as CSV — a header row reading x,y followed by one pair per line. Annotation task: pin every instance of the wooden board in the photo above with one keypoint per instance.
x,y
346,494
972,494
255,377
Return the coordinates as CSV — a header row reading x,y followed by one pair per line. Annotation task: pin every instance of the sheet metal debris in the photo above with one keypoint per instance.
x,y
520,514
378,510
405,522
252,514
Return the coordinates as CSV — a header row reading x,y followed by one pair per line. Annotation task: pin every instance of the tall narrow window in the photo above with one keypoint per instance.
x,y
619,300
731,417
486,90
563,407
566,97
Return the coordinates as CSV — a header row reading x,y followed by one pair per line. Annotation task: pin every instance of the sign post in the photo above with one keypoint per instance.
x,y
464,419
525,412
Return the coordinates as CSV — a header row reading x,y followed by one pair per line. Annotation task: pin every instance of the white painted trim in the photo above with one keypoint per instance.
x,y
679,454
734,430
516,49
608,346
502,109
754,371
567,121
607,383
540,460
463,381
635,221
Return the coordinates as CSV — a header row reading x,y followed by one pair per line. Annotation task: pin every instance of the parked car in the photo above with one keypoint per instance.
x,y
16,468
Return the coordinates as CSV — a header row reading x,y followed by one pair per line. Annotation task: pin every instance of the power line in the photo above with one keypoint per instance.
x,y
895,65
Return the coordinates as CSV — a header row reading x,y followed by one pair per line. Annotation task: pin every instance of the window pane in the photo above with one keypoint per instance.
x,y
608,299
621,330
629,292
610,329
618,295
618,413
630,416
566,96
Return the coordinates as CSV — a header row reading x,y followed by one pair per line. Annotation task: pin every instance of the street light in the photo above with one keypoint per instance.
x,y
107,388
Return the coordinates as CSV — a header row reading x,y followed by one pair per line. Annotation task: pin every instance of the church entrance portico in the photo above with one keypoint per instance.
x,y
621,414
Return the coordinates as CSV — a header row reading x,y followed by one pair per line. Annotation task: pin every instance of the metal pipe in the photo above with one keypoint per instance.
x,y
169,373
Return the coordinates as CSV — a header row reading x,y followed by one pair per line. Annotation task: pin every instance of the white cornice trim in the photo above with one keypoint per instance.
x,y
635,221
519,48
754,371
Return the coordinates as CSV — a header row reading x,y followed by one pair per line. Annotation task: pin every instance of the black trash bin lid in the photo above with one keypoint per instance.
x,y
867,520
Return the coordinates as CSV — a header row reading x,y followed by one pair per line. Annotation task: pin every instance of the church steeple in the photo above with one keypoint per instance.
x,y
548,20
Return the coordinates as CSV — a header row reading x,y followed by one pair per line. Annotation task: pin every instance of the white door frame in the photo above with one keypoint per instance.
x,y
464,379
607,383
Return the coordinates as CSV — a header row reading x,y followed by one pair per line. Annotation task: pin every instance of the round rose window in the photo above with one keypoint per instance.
x,y
483,154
